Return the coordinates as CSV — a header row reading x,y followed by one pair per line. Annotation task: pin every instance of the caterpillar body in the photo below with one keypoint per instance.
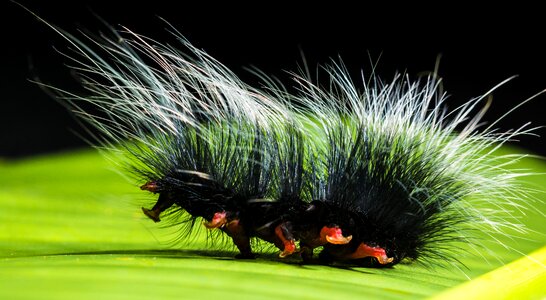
x,y
374,174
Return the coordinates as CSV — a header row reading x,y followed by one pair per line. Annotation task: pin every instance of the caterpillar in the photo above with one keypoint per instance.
x,y
370,174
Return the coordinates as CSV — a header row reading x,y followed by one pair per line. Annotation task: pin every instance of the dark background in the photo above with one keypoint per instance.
x,y
479,49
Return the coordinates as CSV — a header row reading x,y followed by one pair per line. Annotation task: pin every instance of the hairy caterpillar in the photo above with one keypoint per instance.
x,y
373,176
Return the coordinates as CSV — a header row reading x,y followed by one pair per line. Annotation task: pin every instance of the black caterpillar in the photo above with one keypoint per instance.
x,y
373,173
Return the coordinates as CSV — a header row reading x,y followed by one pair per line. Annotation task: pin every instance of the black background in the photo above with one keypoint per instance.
x,y
479,47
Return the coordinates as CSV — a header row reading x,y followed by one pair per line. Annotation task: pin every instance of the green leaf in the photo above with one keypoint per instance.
x,y
71,228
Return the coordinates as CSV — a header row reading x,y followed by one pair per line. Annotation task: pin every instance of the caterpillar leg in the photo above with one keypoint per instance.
x,y
362,253
218,220
333,235
306,252
240,238
234,229
364,250
314,238
163,203
285,239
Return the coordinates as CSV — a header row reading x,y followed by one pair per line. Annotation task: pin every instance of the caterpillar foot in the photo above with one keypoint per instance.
x,y
152,214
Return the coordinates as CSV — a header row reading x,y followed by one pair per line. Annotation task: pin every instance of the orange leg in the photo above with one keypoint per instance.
x,y
364,250
287,242
315,238
218,220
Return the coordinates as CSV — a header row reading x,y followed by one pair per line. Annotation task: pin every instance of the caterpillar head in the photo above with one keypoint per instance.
x,y
194,197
